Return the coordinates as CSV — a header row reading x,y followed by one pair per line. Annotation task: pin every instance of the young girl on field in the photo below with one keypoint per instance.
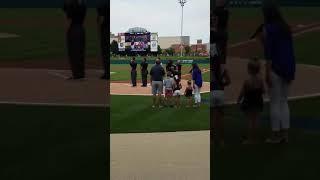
x,y
251,98
177,91
169,85
188,93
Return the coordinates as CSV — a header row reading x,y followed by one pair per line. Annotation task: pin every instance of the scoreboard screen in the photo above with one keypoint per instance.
x,y
137,41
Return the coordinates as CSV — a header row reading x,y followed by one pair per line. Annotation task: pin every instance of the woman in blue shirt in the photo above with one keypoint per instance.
x,y
280,70
197,83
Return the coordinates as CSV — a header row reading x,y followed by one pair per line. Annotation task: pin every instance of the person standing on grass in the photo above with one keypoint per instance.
x,y
169,86
144,72
133,65
170,66
219,80
178,68
177,91
197,83
157,73
219,75
102,34
75,11
188,94
251,98
280,70
220,29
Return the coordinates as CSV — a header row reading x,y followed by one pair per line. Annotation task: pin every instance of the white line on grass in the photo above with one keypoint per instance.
x,y
289,98
57,75
295,35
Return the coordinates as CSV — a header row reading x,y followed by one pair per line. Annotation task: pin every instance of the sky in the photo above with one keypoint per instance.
x,y
163,17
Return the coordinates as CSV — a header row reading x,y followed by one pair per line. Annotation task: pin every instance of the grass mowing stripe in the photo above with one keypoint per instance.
x,y
264,161
135,114
44,142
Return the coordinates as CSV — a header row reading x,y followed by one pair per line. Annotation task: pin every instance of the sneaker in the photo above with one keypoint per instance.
x,y
273,140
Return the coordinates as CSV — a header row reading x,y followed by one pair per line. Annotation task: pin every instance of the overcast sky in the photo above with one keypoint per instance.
x,y
162,16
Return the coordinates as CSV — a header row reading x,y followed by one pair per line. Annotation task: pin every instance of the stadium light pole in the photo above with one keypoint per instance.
x,y
182,3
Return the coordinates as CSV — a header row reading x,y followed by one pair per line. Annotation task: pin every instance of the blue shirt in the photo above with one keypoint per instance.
x,y
197,77
279,49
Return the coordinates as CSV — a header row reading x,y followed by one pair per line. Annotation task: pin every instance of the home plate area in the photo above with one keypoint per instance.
x,y
125,88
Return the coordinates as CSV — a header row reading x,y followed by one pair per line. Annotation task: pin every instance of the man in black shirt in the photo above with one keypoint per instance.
x,y
156,77
178,69
218,72
220,29
144,72
102,32
75,13
133,65
169,66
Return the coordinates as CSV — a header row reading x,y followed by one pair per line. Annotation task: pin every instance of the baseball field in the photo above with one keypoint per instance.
x,y
298,159
50,128
46,119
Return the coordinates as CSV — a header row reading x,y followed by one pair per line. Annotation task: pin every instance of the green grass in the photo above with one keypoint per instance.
x,y
306,48
134,114
122,71
42,34
244,21
52,142
295,161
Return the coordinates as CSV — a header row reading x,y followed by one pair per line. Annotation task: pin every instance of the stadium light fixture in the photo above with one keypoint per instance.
x,y
182,3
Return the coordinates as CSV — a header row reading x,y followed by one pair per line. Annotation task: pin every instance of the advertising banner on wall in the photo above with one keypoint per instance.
x,y
154,46
154,42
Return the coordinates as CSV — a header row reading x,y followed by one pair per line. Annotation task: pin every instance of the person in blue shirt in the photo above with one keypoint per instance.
x,y
280,70
197,83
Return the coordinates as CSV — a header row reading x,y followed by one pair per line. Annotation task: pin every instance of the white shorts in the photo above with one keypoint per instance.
x,y
177,93
217,98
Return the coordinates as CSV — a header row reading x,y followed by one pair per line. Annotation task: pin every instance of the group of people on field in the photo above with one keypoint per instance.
x,y
167,81
275,36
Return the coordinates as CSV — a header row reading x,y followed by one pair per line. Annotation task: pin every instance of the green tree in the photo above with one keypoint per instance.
x,y
170,51
159,50
187,50
114,47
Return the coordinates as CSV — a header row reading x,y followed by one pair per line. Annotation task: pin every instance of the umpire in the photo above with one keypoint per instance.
x,y
133,65
102,32
75,11
144,72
